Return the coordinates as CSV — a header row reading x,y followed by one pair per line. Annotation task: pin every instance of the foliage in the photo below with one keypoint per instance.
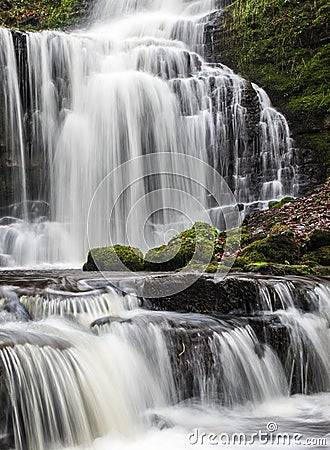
x,y
284,46
35,15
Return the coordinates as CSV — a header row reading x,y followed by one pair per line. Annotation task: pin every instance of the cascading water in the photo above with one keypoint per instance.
x,y
135,378
134,83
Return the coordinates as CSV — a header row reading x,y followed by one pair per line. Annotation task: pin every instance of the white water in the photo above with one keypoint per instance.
x,y
147,379
133,84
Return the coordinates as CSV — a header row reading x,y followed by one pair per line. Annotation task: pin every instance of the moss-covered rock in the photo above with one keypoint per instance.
x,y
278,269
321,271
234,239
280,203
279,248
115,258
318,238
195,244
213,267
320,256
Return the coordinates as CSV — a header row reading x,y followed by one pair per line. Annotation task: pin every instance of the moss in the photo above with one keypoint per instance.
x,y
278,248
278,269
210,268
115,258
319,140
35,15
320,256
197,243
321,271
234,239
241,262
280,203
284,47
318,238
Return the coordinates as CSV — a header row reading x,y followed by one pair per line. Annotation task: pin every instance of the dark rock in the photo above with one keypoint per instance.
x,y
236,295
320,256
319,238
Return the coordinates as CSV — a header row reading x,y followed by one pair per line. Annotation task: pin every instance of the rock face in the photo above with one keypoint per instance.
x,y
236,295
248,37
36,171
261,306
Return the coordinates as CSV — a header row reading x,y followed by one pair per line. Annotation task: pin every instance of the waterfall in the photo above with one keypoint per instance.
x,y
96,370
78,105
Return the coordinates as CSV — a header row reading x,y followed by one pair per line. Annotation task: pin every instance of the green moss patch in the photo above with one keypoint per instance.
x,y
279,204
115,258
279,269
278,248
195,244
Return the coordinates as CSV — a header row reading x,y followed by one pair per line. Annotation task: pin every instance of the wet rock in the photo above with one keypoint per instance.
x,y
108,321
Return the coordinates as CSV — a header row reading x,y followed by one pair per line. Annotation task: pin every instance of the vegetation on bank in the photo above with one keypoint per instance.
x,y
284,46
36,15
277,253
267,249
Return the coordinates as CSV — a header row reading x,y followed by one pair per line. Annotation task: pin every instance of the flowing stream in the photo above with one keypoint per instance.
x,y
86,366
75,106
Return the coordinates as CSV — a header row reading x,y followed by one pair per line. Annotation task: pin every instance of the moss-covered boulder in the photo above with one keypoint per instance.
x,y
281,248
318,238
265,268
234,239
320,256
195,244
278,204
115,258
321,271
